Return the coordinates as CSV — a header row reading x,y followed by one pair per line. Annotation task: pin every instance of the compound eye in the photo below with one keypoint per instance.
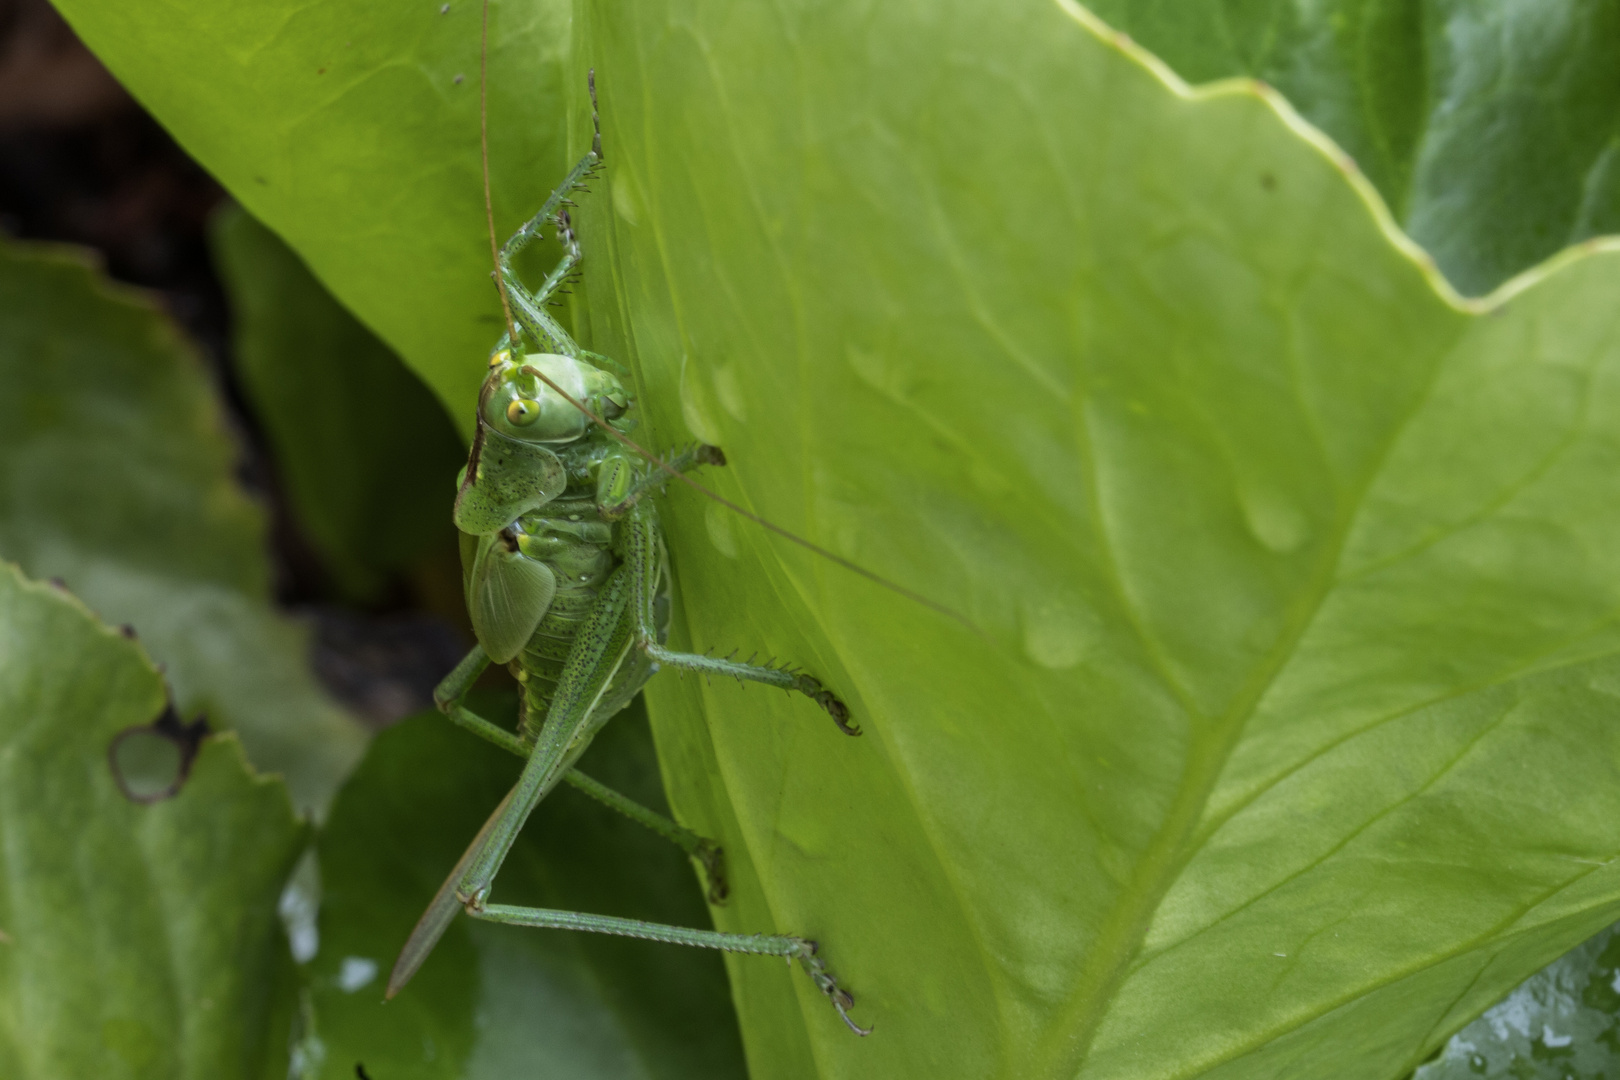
x,y
504,356
522,412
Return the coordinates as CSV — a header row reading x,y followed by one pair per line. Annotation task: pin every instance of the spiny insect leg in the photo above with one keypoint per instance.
x,y
454,686
596,115
448,696
548,211
532,316
692,457
783,945
642,561
607,363
563,272
530,308
708,853
841,999
590,665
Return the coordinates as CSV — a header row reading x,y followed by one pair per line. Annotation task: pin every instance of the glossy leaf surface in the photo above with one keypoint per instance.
x,y
365,452
1293,577
1286,740
500,1001
1492,130
140,942
116,476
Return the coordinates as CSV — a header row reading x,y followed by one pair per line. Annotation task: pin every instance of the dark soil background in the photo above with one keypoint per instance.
x,y
81,162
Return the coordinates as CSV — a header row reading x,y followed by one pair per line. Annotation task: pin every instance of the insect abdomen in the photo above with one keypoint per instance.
x,y
541,661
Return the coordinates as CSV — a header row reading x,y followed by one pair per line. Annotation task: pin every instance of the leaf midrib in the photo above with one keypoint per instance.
x,y
1063,1052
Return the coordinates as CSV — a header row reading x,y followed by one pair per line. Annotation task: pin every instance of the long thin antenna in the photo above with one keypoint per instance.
x,y
489,202
877,579
512,335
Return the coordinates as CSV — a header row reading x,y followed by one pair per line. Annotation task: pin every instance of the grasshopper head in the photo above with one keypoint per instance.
x,y
517,403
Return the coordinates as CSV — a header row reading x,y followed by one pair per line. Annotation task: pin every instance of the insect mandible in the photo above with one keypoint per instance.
x,y
567,583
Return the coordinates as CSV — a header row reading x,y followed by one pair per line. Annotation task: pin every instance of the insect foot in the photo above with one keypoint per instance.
x,y
841,999
713,858
710,455
811,687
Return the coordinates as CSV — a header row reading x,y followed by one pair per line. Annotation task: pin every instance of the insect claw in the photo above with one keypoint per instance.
x,y
843,1015
811,687
841,999
713,859
596,122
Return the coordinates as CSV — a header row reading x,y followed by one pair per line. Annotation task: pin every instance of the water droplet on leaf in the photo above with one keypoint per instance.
x,y
625,202
729,391
695,406
1275,521
1058,633
717,519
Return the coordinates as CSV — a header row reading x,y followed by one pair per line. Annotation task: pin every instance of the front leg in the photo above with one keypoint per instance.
x,y
644,564
621,483
530,308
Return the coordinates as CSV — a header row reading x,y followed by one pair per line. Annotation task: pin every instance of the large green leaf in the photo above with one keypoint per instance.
x,y
364,451
1285,741
139,941
500,1001
116,476
1491,129
1289,740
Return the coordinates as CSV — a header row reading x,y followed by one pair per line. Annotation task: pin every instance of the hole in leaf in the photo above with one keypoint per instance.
x,y
150,762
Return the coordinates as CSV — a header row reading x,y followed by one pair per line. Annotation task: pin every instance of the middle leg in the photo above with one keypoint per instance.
x,y
594,657
645,567
448,696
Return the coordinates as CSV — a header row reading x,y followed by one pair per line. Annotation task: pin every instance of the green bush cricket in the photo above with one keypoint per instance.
x,y
567,583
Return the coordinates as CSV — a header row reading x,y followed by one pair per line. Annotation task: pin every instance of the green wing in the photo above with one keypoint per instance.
x,y
504,480
508,594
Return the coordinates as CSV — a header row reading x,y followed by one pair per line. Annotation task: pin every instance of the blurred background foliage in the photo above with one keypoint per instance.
x,y
225,461
1492,130
205,448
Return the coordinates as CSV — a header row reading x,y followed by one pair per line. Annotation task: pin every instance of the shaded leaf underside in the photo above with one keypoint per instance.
x,y
364,452
116,476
